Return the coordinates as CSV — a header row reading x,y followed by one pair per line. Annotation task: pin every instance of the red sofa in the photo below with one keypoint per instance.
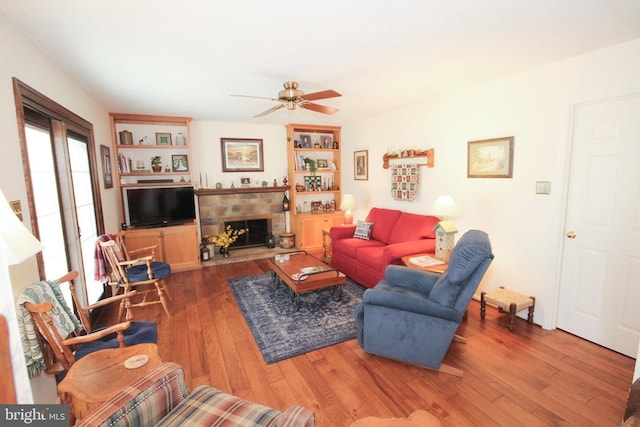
x,y
394,234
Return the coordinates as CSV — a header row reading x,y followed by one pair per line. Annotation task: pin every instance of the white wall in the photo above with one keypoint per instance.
x,y
22,60
526,229
207,153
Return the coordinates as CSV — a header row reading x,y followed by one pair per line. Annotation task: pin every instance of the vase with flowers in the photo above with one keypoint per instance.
x,y
226,238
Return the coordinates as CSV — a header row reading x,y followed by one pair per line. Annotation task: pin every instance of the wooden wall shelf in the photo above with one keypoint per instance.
x,y
429,154
215,191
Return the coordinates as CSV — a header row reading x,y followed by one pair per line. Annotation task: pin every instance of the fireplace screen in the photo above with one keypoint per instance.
x,y
256,235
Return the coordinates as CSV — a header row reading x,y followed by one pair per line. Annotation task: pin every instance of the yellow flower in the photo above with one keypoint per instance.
x,y
227,237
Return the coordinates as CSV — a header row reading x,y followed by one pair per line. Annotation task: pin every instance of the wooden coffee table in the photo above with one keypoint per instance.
x,y
317,275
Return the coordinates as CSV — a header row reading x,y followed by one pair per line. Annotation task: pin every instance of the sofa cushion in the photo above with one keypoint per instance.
x,y
363,230
207,406
383,220
348,247
413,227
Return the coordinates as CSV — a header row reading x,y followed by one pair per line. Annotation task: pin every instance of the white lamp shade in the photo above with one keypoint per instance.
x,y
348,203
18,242
444,206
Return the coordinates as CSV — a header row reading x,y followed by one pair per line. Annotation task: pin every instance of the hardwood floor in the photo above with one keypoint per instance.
x,y
531,377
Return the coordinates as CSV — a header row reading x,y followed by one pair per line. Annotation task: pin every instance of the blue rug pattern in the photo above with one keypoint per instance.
x,y
282,332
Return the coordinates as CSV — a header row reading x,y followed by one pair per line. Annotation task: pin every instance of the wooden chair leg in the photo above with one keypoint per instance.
x,y
163,300
483,305
512,316
530,315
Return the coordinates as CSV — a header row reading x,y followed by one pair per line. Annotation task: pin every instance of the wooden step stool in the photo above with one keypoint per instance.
x,y
507,301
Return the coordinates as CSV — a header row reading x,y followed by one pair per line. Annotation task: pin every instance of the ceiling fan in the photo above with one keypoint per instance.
x,y
292,98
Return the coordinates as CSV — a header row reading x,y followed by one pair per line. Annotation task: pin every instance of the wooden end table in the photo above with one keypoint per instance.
x,y
288,271
441,268
100,375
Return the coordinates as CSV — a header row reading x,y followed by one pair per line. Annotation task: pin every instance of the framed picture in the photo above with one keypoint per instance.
x,y
105,156
305,140
245,182
163,138
241,155
326,141
361,165
179,163
490,158
322,164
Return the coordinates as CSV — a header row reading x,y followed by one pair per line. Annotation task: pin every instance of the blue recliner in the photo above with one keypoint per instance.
x,y
412,315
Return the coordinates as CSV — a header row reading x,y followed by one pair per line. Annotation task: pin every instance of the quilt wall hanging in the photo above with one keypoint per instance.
x,y
404,181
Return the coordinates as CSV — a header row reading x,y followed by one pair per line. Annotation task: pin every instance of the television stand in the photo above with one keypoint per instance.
x,y
176,245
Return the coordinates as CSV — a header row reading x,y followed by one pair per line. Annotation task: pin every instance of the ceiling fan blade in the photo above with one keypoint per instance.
x,y
319,108
320,95
257,97
269,111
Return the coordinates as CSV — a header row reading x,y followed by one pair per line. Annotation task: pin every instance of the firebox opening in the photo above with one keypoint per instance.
x,y
256,235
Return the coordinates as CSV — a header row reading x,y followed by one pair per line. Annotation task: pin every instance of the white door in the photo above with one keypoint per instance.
x,y
600,281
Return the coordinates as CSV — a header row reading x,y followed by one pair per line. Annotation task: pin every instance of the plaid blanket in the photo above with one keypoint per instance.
x,y
100,272
65,321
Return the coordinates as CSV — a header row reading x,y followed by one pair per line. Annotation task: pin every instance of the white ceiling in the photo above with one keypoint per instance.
x,y
187,57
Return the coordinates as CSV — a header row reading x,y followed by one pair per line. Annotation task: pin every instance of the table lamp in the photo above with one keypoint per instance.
x,y
347,205
18,242
444,207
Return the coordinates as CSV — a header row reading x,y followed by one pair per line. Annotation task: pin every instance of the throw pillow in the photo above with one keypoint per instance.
x,y
363,230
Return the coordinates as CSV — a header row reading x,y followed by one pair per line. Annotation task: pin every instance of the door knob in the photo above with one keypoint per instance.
x,y
571,235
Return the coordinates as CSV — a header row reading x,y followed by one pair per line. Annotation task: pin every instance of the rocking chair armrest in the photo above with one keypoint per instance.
x,y
151,249
141,260
111,299
93,336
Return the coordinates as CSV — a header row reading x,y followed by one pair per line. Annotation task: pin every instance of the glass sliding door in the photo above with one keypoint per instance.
x,y
62,184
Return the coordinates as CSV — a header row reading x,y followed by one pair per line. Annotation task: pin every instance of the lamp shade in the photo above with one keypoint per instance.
x,y
444,207
18,242
348,203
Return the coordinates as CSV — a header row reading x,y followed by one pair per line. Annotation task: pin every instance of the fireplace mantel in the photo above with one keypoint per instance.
x,y
216,191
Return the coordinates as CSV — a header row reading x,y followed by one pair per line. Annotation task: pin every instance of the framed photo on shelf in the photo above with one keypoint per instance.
x,y
163,138
179,163
490,158
241,155
105,156
326,141
361,165
322,163
305,140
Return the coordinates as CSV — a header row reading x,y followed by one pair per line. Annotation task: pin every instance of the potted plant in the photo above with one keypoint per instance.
x,y
311,165
156,163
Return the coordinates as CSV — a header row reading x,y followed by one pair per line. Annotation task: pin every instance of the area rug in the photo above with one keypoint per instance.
x,y
282,332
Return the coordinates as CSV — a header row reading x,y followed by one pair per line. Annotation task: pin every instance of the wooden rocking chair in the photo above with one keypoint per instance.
x,y
142,274
61,352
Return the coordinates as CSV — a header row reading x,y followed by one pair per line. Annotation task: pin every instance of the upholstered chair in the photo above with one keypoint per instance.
x,y
412,315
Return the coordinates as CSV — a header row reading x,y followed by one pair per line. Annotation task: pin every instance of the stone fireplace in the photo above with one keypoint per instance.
x,y
261,205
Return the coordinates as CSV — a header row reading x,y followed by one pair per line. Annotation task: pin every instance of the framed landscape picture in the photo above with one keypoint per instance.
x,y
241,155
105,155
490,158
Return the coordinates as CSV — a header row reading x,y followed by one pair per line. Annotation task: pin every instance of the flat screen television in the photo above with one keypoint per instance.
x,y
159,206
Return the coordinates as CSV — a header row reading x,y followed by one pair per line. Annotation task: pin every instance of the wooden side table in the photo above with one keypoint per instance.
x,y
99,376
327,249
441,268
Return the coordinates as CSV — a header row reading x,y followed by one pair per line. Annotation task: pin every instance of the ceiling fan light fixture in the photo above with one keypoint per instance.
x,y
291,105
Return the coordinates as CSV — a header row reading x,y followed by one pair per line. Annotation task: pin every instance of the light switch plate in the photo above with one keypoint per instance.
x,y
543,187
